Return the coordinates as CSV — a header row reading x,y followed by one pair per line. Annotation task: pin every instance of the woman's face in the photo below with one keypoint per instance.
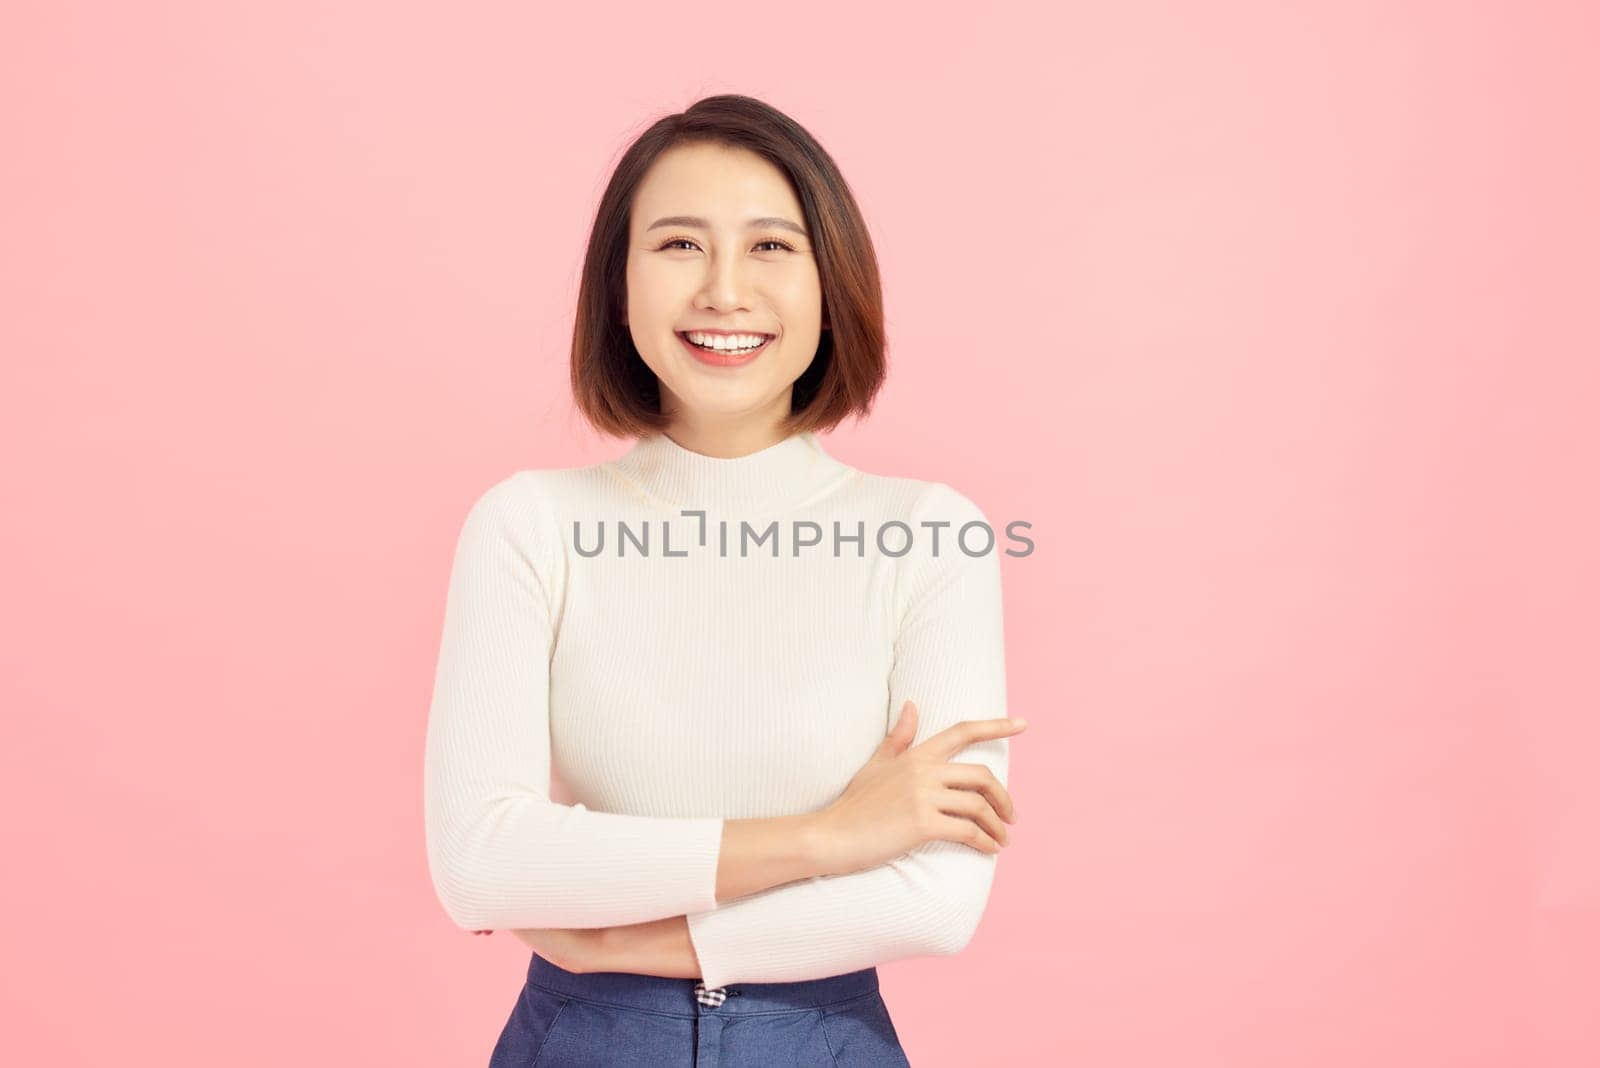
x,y
718,243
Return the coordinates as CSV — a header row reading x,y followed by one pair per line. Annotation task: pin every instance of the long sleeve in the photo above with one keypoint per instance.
x,y
501,853
950,659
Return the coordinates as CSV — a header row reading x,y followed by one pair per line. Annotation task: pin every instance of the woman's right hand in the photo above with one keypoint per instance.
x,y
904,797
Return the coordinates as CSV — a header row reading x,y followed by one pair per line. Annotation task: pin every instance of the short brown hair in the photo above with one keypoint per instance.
x,y
614,388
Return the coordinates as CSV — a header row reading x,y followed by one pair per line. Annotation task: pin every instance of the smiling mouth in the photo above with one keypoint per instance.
x,y
745,351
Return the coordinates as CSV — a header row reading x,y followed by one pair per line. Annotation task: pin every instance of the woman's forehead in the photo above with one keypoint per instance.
x,y
726,187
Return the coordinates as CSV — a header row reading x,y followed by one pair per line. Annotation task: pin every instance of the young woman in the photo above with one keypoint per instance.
x,y
773,684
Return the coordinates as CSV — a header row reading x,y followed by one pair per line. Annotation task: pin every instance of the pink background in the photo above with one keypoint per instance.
x,y
1275,320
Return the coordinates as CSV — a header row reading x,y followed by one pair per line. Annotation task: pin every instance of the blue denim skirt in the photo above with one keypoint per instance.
x,y
565,1019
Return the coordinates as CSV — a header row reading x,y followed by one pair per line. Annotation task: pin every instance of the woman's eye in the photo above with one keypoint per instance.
x,y
680,241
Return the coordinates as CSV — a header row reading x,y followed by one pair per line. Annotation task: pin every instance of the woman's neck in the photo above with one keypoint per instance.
x,y
782,473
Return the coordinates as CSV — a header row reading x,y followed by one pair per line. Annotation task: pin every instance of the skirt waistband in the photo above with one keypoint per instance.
x,y
679,997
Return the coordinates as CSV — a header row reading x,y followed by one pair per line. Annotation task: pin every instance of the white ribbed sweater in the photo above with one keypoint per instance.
x,y
678,685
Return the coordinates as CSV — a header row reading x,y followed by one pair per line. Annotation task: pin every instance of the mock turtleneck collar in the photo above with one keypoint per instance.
x,y
786,473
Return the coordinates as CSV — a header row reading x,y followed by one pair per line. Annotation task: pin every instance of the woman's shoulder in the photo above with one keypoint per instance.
x,y
536,501
525,500
508,491
917,500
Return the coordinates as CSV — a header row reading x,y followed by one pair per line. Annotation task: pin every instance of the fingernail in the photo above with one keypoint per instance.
x,y
1016,722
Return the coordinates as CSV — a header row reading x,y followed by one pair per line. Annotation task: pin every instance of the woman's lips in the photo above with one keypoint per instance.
x,y
723,359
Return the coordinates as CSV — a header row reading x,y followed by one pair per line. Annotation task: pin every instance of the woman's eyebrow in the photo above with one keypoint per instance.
x,y
695,220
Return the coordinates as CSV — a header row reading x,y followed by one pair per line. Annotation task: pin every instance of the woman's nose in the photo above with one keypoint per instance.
x,y
724,287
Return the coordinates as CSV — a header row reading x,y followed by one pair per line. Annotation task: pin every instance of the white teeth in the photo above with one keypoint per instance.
x,y
726,343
